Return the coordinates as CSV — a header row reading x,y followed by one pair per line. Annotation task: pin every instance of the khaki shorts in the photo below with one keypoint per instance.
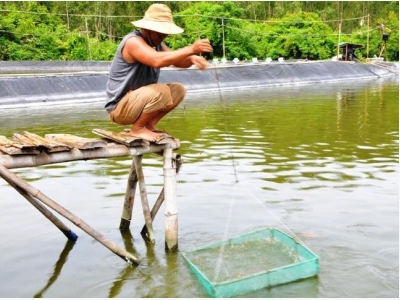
x,y
147,99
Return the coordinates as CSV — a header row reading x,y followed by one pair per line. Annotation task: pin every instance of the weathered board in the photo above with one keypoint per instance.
x,y
77,141
13,148
125,138
121,137
34,140
27,143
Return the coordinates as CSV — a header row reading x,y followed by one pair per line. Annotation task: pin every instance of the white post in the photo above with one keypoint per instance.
x,y
171,210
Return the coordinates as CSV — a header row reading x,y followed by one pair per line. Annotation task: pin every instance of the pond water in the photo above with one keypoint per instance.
x,y
319,162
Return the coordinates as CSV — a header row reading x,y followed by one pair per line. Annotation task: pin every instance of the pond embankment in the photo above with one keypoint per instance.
x,y
26,84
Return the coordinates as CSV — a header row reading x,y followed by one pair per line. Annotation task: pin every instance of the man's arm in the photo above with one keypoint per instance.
x,y
136,49
197,60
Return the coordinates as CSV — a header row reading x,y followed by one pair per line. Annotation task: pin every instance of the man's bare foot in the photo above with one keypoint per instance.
x,y
151,128
163,132
146,134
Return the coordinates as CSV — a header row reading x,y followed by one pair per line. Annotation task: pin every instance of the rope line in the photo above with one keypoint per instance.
x,y
273,215
226,125
175,15
224,237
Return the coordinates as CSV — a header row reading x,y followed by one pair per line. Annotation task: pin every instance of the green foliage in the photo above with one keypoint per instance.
x,y
376,44
296,36
91,30
215,21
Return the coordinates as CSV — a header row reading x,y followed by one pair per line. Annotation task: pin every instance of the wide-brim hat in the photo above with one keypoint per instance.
x,y
158,17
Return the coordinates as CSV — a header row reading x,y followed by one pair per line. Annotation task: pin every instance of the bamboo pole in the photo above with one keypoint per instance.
x,y
143,196
129,198
171,210
161,197
223,37
113,150
88,39
368,36
338,45
60,225
5,173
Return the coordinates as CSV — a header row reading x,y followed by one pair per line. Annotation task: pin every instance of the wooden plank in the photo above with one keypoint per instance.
x,y
76,141
121,137
17,151
31,139
13,148
4,141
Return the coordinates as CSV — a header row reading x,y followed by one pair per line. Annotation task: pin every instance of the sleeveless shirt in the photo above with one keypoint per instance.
x,y
124,76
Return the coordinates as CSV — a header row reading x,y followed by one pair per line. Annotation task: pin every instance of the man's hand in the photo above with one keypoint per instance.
x,y
199,62
202,45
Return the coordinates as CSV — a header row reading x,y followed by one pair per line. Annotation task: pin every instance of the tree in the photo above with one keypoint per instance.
x,y
299,35
220,23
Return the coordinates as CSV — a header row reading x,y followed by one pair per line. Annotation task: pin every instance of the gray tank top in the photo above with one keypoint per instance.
x,y
125,76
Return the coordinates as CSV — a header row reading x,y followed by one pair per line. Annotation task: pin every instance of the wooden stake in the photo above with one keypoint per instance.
x,y
60,225
368,37
129,198
5,173
161,197
171,210
143,195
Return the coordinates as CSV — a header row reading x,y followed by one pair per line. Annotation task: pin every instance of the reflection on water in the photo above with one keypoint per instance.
x,y
57,268
318,161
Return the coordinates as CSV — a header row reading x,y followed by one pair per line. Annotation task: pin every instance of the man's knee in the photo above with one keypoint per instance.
x,y
178,91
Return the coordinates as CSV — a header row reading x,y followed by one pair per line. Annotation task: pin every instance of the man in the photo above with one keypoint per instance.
x,y
133,95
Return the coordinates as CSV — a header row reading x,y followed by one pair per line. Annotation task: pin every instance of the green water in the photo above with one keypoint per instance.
x,y
319,162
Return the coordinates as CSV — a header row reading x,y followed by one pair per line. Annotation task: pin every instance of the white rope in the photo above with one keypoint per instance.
x,y
224,237
275,217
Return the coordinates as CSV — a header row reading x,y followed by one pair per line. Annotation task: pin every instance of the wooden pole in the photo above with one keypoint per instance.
x,y
5,173
338,46
60,225
223,37
88,39
340,29
143,196
161,197
368,37
129,198
171,210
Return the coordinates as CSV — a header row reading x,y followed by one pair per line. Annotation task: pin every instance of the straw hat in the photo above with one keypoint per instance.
x,y
158,17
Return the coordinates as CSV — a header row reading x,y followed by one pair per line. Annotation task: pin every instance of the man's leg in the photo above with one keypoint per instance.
x,y
144,107
139,128
177,92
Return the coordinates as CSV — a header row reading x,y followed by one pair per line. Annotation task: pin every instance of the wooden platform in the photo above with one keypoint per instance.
x,y
29,150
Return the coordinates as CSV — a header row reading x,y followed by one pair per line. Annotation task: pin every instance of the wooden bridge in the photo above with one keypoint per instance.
x,y
30,150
